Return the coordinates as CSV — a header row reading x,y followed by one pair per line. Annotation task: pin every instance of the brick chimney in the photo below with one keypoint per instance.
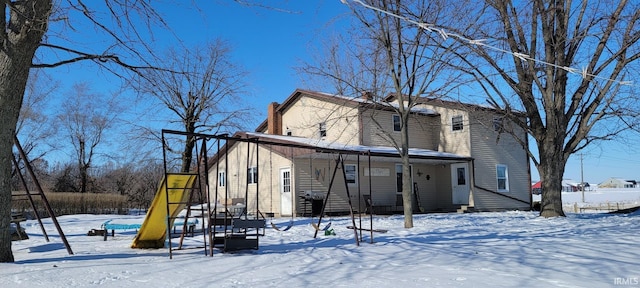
x,y
274,119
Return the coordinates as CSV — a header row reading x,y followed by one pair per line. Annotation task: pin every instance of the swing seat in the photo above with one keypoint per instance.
x,y
273,225
315,226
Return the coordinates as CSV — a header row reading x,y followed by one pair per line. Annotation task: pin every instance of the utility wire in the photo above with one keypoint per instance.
x,y
482,42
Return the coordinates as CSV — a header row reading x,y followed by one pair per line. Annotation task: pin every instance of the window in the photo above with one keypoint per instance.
x,y
286,180
497,124
502,175
456,123
323,129
252,175
462,175
221,179
351,172
396,122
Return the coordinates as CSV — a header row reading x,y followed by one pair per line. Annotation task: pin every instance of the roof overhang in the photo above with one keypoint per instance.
x,y
378,153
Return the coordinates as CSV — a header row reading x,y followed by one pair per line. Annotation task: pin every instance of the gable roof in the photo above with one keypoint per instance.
x,y
345,100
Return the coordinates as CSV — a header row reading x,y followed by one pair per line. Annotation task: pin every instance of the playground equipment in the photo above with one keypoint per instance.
x,y
153,231
186,195
231,222
28,195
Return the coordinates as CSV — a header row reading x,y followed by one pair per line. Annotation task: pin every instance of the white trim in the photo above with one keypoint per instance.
x,y
454,123
222,179
393,122
252,175
506,178
355,174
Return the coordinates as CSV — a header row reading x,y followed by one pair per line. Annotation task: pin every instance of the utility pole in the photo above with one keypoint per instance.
x,y
582,177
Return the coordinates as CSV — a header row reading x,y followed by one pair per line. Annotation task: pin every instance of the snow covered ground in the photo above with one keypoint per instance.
x,y
508,249
604,199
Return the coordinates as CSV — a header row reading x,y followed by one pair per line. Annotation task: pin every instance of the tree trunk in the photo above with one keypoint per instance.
x,y
23,30
187,153
551,169
82,167
407,185
13,80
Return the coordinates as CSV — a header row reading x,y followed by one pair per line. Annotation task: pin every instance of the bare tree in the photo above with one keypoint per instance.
x,y
24,26
85,123
568,66
389,56
33,129
202,88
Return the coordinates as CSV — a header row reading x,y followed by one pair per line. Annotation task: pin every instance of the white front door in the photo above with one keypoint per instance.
x,y
460,184
285,192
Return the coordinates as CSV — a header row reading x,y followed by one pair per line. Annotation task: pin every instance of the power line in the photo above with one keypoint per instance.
x,y
482,42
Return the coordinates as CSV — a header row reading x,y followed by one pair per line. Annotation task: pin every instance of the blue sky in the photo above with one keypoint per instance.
x,y
269,44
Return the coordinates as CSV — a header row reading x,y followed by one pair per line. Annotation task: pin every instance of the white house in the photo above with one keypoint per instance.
x,y
458,154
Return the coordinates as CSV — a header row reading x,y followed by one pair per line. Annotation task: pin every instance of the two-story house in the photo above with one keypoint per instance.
x,y
455,156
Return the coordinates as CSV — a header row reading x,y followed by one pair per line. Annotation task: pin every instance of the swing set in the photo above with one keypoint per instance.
x,y
300,150
230,210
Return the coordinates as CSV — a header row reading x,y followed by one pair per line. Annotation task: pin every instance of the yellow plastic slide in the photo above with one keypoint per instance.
x,y
153,232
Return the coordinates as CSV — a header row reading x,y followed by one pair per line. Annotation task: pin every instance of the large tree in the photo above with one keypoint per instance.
x,y
21,33
387,55
124,44
569,66
202,88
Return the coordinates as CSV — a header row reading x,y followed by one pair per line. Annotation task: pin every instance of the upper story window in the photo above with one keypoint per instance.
x,y
323,129
221,179
498,123
502,175
456,123
252,175
396,122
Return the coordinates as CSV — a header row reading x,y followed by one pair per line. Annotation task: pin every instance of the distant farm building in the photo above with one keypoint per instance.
x,y
570,186
618,183
537,188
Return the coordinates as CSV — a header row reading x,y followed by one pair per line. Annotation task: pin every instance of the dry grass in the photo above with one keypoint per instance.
x,y
65,203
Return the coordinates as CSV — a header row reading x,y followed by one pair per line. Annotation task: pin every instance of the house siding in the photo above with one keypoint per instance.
x,y
489,149
236,177
303,117
448,140
479,140
434,190
423,130
315,175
